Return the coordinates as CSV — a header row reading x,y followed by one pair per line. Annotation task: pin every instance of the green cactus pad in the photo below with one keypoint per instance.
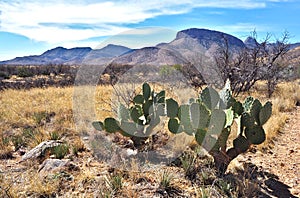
x,y
210,97
247,120
138,99
172,108
255,135
135,113
123,112
237,108
195,114
184,113
255,109
111,125
160,110
147,106
200,135
128,128
241,143
160,97
217,122
174,126
154,120
146,91
98,125
204,116
265,113
185,118
200,115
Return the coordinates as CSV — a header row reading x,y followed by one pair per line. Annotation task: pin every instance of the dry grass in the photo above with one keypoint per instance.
x,y
42,112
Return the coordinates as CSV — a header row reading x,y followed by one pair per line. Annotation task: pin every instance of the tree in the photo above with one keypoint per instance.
x,y
259,61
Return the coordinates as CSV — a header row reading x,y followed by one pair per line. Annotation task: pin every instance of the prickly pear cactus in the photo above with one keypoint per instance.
x,y
138,120
209,118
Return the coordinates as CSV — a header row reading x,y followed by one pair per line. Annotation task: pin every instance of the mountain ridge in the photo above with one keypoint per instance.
x,y
185,45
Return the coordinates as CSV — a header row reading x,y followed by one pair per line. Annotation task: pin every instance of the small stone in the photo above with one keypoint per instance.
x,y
56,165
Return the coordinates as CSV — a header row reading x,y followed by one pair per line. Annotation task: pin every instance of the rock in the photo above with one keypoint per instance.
x,y
56,165
40,149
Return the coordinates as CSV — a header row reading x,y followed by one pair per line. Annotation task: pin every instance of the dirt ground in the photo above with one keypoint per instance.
x,y
279,167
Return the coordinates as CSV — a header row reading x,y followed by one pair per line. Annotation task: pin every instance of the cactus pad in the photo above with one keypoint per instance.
x,y
265,113
98,125
255,135
255,109
210,97
111,125
174,126
146,91
138,99
123,112
172,108
217,122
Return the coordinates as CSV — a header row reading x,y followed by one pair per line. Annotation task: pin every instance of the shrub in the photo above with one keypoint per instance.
x,y
60,151
4,75
24,72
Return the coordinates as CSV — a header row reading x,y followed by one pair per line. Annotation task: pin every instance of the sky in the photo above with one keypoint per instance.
x,y
33,26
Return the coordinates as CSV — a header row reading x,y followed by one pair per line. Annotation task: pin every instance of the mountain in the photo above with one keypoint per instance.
x,y
293,56
58,55
251,42
78,55
207,38
188,45
105,54
294,45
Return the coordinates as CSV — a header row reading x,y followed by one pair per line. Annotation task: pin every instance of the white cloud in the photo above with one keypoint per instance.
x,y
57,21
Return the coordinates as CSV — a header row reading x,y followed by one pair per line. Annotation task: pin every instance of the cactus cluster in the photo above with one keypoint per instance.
x,y
208,118
139,120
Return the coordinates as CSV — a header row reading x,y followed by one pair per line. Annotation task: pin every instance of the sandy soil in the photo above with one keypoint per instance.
x,y
280,166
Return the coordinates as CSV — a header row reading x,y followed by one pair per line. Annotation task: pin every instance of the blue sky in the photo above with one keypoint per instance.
x,y
31,27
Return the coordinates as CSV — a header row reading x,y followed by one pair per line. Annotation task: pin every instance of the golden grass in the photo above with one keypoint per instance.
x,y
19,110
27,184
20,107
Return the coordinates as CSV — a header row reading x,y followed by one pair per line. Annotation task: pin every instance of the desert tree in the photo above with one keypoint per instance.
x,y
259,61
273,65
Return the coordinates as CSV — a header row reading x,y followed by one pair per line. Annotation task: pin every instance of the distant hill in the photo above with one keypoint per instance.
x,y
58,55
78,55
189,46
251,42
294,56
105,54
